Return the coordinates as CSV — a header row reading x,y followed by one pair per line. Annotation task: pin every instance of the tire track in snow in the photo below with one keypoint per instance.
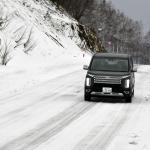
x,y
51,95
15,115
51,127
69,75
100,135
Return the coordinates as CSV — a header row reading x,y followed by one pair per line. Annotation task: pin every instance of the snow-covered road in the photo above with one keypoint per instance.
x,y
53,116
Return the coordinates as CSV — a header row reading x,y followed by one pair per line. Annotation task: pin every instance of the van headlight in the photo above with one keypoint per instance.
x,y
127,83
88,81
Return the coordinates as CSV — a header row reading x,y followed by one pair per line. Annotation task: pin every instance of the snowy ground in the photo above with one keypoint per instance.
x,y
51,114
41,98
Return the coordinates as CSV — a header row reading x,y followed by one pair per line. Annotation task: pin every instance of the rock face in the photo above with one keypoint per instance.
x,y
91,41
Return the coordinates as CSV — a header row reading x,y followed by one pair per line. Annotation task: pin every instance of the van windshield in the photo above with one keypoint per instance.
x,y
110,64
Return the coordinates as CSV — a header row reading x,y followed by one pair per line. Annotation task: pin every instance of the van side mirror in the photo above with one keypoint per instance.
x,y
85,67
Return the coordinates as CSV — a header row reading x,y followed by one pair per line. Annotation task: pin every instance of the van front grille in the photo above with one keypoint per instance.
x,y
107,79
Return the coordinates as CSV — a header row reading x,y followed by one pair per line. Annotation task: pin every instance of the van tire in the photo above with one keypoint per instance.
x,y
87,97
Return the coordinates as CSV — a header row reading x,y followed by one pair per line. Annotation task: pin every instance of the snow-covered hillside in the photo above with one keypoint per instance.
x,y
36,33
38,41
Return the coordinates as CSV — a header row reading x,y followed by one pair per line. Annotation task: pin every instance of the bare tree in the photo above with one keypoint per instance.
x,y
4,50
75,7
118,32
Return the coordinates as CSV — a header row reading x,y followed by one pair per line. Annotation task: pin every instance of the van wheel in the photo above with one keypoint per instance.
x,y
133,94
87,97
128,99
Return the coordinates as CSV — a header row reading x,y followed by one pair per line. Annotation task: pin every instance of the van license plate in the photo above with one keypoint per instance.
x,y
107,90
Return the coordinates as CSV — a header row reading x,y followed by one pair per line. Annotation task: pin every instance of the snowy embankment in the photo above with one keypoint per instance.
x,y
41,43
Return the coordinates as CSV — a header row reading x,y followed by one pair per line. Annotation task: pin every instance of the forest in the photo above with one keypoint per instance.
x,y
118,32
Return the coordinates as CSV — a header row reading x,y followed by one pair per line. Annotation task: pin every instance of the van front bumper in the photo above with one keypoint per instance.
x,y
113,94
117,90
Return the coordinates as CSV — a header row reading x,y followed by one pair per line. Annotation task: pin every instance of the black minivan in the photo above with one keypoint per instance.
x,y
110,74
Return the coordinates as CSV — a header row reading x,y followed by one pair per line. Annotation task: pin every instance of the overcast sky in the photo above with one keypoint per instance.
x,y
136,9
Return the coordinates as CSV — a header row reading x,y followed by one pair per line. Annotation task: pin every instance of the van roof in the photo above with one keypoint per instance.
x,y
113,55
